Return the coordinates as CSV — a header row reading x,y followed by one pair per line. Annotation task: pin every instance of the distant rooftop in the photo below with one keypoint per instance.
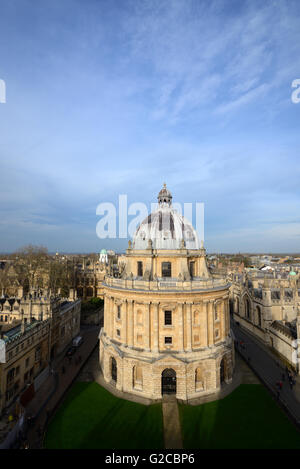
x,y
15,331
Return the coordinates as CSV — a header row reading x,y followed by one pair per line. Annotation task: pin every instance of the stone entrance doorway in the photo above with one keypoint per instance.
x,y
168,381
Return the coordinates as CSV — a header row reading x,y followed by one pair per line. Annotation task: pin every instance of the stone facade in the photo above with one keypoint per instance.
x,y
89,278
268,307
34,328
166,325
24,353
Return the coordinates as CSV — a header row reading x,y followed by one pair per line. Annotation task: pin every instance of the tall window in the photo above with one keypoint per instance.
x,y
168,318
166,269
192,269
140,269
119,312
258,316
247,308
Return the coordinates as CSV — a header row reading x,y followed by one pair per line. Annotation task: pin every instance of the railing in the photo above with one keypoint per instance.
x,y
165,284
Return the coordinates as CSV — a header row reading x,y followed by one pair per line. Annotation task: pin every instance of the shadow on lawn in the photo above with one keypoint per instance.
x,y
247,418
93,418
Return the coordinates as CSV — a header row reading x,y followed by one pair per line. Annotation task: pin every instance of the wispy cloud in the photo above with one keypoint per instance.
x,y
107,98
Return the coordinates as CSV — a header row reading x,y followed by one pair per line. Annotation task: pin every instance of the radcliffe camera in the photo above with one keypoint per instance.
x,y
149,228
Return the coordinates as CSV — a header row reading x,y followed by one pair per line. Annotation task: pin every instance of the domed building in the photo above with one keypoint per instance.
x,y
166,319
103,257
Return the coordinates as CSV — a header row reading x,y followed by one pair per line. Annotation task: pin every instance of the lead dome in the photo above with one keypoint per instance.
x,y
165,227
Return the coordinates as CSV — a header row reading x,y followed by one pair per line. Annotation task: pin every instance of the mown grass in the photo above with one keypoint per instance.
x,y
248,418
92,418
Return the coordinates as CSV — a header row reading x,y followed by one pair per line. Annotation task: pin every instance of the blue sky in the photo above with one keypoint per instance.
x,y
116,97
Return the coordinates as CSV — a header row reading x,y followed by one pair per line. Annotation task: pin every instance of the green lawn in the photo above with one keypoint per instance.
x,y
247,418
91,417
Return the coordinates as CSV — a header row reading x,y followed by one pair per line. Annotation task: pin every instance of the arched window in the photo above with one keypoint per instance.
x,y
137,375
222,371
247,308
113,370
199,382
237,305
258,311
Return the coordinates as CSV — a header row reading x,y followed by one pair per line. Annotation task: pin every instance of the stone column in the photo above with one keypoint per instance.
x,y
224,313
130,323
147,328
156,327
205,322
188,327
125,320
210,323
110,313
180,327
114,315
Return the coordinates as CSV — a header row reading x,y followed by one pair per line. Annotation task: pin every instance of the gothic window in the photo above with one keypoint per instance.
x,y
258,316
288,293
275,294
247,308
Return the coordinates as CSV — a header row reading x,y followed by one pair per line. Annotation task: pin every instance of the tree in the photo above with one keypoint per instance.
x,y
31,264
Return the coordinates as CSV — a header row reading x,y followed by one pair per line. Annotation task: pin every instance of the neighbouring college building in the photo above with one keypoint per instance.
x,y
166,319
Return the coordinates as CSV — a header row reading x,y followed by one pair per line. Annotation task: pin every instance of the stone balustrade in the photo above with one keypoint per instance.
x,y
165,284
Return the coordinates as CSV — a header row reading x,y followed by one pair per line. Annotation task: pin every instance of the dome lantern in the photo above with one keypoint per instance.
x,y
164,196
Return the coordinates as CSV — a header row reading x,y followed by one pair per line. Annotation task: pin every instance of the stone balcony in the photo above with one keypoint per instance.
x,y
166,284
